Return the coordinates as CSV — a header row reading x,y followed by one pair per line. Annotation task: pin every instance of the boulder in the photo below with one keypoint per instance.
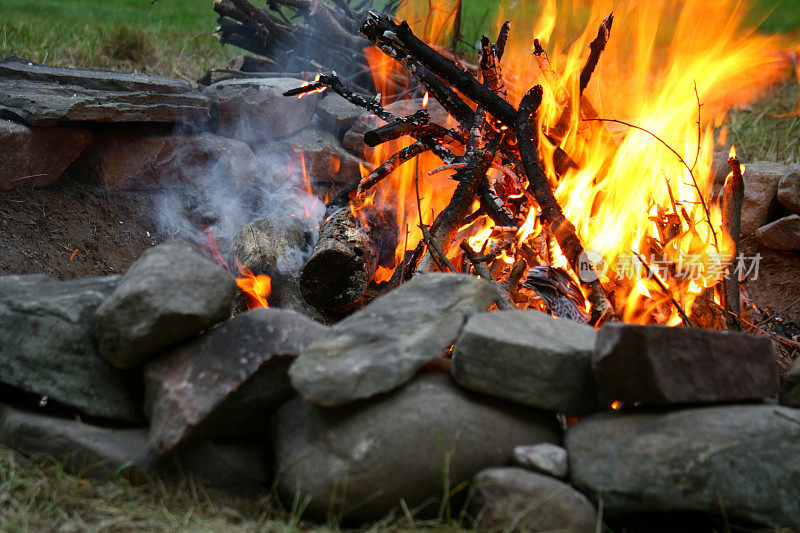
x,y
544,458
530,358
325,159
739,461
128,158
783,234
360,460
760,203
84,449
337,114
36,157
663,365
277,247
381,346
170,293
42,95
227,382
513,499
789,188
242,468
790,392
47,348
255,110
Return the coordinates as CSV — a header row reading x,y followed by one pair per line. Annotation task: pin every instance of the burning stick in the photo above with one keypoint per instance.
x,y
597,46
416,125
503,299
552,215
732,198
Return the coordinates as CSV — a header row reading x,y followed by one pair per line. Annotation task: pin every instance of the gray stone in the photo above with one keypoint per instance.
x,y
760,194
171,292
544,458
255,110
277,247
337,114
325,159
663,365
84,449
774,280
740,460
783,234
530,358
46,345
227,382
238,467
790,392
36,157
364,458
44,95
128,158
789,188
513,499
382,346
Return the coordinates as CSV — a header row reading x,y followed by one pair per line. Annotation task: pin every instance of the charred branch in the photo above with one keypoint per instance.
x,y
596,48
732,197
503,299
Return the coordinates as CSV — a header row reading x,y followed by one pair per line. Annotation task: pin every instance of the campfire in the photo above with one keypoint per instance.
x,y
573,168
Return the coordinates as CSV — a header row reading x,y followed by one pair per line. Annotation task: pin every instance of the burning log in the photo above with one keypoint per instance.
x,y
596,48
347,254
503,300
732,198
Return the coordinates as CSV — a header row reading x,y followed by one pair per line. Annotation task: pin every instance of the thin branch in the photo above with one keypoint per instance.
x,y
684,316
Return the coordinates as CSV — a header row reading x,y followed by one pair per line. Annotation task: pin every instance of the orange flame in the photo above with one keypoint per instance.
x,y
256,288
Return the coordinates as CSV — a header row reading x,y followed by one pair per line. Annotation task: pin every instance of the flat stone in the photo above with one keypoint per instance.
x,y
227,382
544,458
127,158
337,114
362,459
663,365
47,348
740,460
760,200
790,392
325,159
518,500
255,110
381,346
36,157
170,293
783,234
530,358
84,449
43,95
789,188
243,468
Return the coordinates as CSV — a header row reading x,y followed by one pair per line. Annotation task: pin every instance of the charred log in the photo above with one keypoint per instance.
x,y
732,199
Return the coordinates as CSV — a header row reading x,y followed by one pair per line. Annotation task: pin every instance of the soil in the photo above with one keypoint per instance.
x,y
73,229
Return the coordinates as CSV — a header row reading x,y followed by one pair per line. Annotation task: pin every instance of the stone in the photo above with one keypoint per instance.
x,y
337,114
381,346
36,157
170,293
774,279
362,459
742,461
42,95
227,382
760,203
242,468
133,158
82,448
530,358
277,247
513,499
47,348
325,159
783,234
789,188
790,392
255,110
544,458
664,365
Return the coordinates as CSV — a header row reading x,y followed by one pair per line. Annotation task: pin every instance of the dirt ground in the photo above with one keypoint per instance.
x,y
73,229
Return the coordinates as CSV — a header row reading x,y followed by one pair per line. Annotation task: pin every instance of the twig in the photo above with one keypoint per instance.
x,y
732,199
778,313
596,48
503,299
684,316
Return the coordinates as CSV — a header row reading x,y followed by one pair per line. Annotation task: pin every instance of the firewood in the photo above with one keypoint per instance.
x,y
596,48
732,197
503,300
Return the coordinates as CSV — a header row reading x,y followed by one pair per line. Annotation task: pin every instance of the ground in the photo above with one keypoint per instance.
x,y
73,229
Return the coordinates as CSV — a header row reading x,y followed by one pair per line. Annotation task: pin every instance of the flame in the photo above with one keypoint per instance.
x,y
629,190
256,288
425,100
306,84
732,152
616,405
